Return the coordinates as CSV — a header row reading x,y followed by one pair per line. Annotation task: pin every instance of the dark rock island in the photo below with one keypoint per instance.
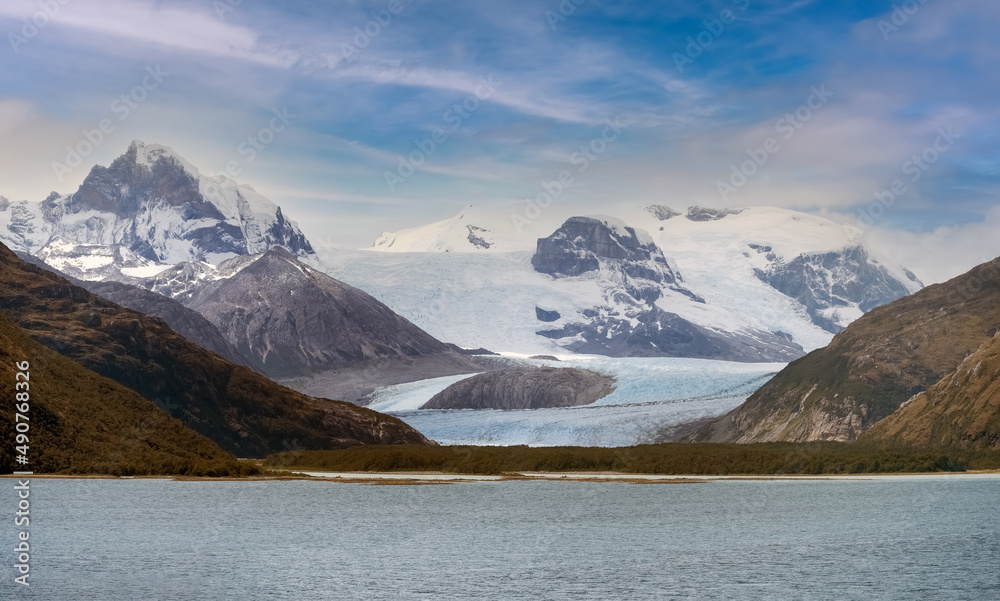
x,y
524,388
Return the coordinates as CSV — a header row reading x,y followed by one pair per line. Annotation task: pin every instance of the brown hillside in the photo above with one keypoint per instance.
x,y
241,410
81,422
962,410
872,367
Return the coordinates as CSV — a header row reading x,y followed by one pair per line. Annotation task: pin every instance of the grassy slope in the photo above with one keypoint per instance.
x,y
962,410
244,412
690,459
872,367
83,423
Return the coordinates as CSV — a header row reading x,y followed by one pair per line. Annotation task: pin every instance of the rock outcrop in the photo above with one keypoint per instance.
x,y
524,388
706,214
662,213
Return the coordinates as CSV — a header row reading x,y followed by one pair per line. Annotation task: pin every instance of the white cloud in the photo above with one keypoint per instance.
x,y
506,92
943,253
145,23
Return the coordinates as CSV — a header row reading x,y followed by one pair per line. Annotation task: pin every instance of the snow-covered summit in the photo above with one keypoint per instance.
x,y
756,271
457,234
150,206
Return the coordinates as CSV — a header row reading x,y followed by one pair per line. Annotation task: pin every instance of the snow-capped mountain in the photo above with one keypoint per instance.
x,y
633,275
757,284
776,278
148,210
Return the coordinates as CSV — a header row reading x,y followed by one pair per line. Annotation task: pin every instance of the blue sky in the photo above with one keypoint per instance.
x,y
696,84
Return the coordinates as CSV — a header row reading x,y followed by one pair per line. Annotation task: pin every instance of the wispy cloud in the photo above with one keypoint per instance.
x,y
149,23
357,114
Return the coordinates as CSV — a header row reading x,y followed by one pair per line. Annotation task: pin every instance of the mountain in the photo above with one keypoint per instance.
x,y
828,284
83,423
291,319
633,274
761,279
755,284
961,410
875,365
186,322
457,234
242,411
148,210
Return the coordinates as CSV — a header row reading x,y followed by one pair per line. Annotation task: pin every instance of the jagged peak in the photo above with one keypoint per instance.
x,y
140,153
696,213
662,212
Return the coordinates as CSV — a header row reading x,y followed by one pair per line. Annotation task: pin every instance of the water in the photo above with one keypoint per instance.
x,y
158,539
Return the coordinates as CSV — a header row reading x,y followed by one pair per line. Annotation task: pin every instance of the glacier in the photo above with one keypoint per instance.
x,y
470,279
651,396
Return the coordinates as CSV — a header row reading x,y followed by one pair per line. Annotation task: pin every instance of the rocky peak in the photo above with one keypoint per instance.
x,y
834,287
289,319
625,258
662,213
155,205
633,274
582,243
143,174
697,213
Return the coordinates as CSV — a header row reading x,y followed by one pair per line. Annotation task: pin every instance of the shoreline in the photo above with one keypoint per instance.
x,y
420,478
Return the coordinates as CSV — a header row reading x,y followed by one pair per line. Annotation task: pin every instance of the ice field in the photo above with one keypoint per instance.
x,y
650,395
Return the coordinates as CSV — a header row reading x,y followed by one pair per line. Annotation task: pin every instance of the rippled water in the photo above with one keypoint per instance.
x,y
156,539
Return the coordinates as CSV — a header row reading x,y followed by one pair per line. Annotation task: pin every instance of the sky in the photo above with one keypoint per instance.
x,y
360,117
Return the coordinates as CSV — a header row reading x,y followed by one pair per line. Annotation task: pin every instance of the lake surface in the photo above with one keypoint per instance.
x,y
159,539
